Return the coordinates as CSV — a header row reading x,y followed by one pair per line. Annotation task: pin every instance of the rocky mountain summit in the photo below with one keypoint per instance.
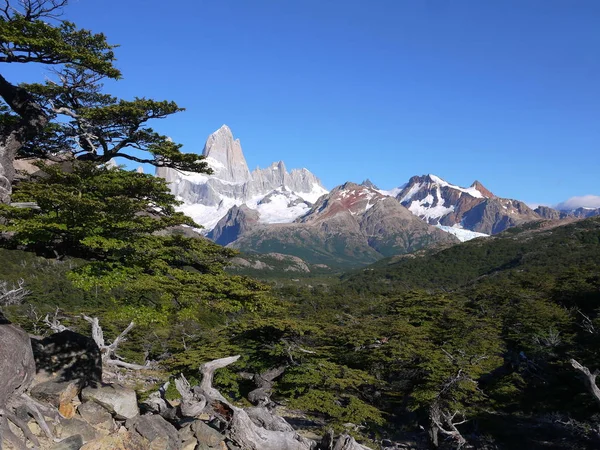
x,y
350,226
474,208
276,194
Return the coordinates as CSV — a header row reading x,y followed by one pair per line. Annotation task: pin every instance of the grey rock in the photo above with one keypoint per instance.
x,y
118,400
160,433
56,392
206,435
67,356
72,427
222,147
98,416
71,443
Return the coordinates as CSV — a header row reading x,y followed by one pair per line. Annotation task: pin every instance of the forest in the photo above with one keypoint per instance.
x,y
488,344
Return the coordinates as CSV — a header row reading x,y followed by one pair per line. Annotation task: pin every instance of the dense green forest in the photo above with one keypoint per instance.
x,y
467,345
383,347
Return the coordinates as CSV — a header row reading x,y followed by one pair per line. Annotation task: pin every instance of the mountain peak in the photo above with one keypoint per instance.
x,y
481,188
368,183
224,155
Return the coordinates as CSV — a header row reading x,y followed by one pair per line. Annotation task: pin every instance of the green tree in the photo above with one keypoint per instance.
x,y
125,225
70,116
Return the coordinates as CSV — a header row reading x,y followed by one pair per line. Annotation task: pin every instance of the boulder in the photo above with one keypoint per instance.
x,y
118,400
67,356
97,416
56,392
160,433
72,427
206,434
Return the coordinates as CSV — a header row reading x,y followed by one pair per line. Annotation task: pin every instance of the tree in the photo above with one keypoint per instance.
x,y
31,32
70,117
124,225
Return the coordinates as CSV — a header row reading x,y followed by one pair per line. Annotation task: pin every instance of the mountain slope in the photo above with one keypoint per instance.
x,y
351,226
475,208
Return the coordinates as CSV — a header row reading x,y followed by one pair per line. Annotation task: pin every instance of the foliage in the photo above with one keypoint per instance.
x,y
70,116
124,224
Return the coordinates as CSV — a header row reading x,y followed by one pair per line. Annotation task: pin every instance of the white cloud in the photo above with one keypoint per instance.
x,y
584,201
535,205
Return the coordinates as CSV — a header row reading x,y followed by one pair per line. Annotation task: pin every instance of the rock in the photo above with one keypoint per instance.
x,y
93,413
123,440
71,443
206,434
72,427
160,433
56,392
190,444
118,400
237,221
67,356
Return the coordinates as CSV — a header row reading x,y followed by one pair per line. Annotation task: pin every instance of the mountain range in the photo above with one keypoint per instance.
x,y
275,211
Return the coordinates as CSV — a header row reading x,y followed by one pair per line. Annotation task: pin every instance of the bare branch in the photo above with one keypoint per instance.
x,y
109,352
13,295
54,324
590,379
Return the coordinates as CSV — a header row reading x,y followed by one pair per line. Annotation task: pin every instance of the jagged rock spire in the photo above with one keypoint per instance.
x,y
228,160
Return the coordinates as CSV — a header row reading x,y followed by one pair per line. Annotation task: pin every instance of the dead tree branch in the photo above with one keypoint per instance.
x,y
109,352
590,379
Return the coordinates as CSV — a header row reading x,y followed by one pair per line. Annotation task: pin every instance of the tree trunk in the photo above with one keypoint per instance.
x,y
9,146
33,120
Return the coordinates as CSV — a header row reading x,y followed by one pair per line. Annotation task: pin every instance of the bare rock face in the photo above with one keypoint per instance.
x,y
239,220
227,153
207,199
17,365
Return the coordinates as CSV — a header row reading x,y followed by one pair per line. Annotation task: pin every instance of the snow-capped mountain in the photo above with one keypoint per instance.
x,y
352,225
474,208
277,195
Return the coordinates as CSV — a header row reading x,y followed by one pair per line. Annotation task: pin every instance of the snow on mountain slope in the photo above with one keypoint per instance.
x,y
279,196
462,234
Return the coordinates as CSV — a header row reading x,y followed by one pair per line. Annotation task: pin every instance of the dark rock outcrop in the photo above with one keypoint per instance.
x,y
239,220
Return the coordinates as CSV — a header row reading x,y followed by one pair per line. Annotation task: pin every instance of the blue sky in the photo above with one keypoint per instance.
x,y
503,91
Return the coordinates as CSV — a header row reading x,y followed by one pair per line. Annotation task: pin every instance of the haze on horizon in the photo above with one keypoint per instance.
x,y
503,92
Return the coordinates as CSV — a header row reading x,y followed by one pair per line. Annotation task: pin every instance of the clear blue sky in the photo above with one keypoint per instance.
x,y
504,91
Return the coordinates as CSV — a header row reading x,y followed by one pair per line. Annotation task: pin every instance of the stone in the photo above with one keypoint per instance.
x,y
189,444
93,413
206,434
67,356
56,392
72,427
118,400
160,433
71,443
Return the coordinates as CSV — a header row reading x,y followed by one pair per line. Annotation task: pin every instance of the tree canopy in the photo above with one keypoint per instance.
x,y
70,116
